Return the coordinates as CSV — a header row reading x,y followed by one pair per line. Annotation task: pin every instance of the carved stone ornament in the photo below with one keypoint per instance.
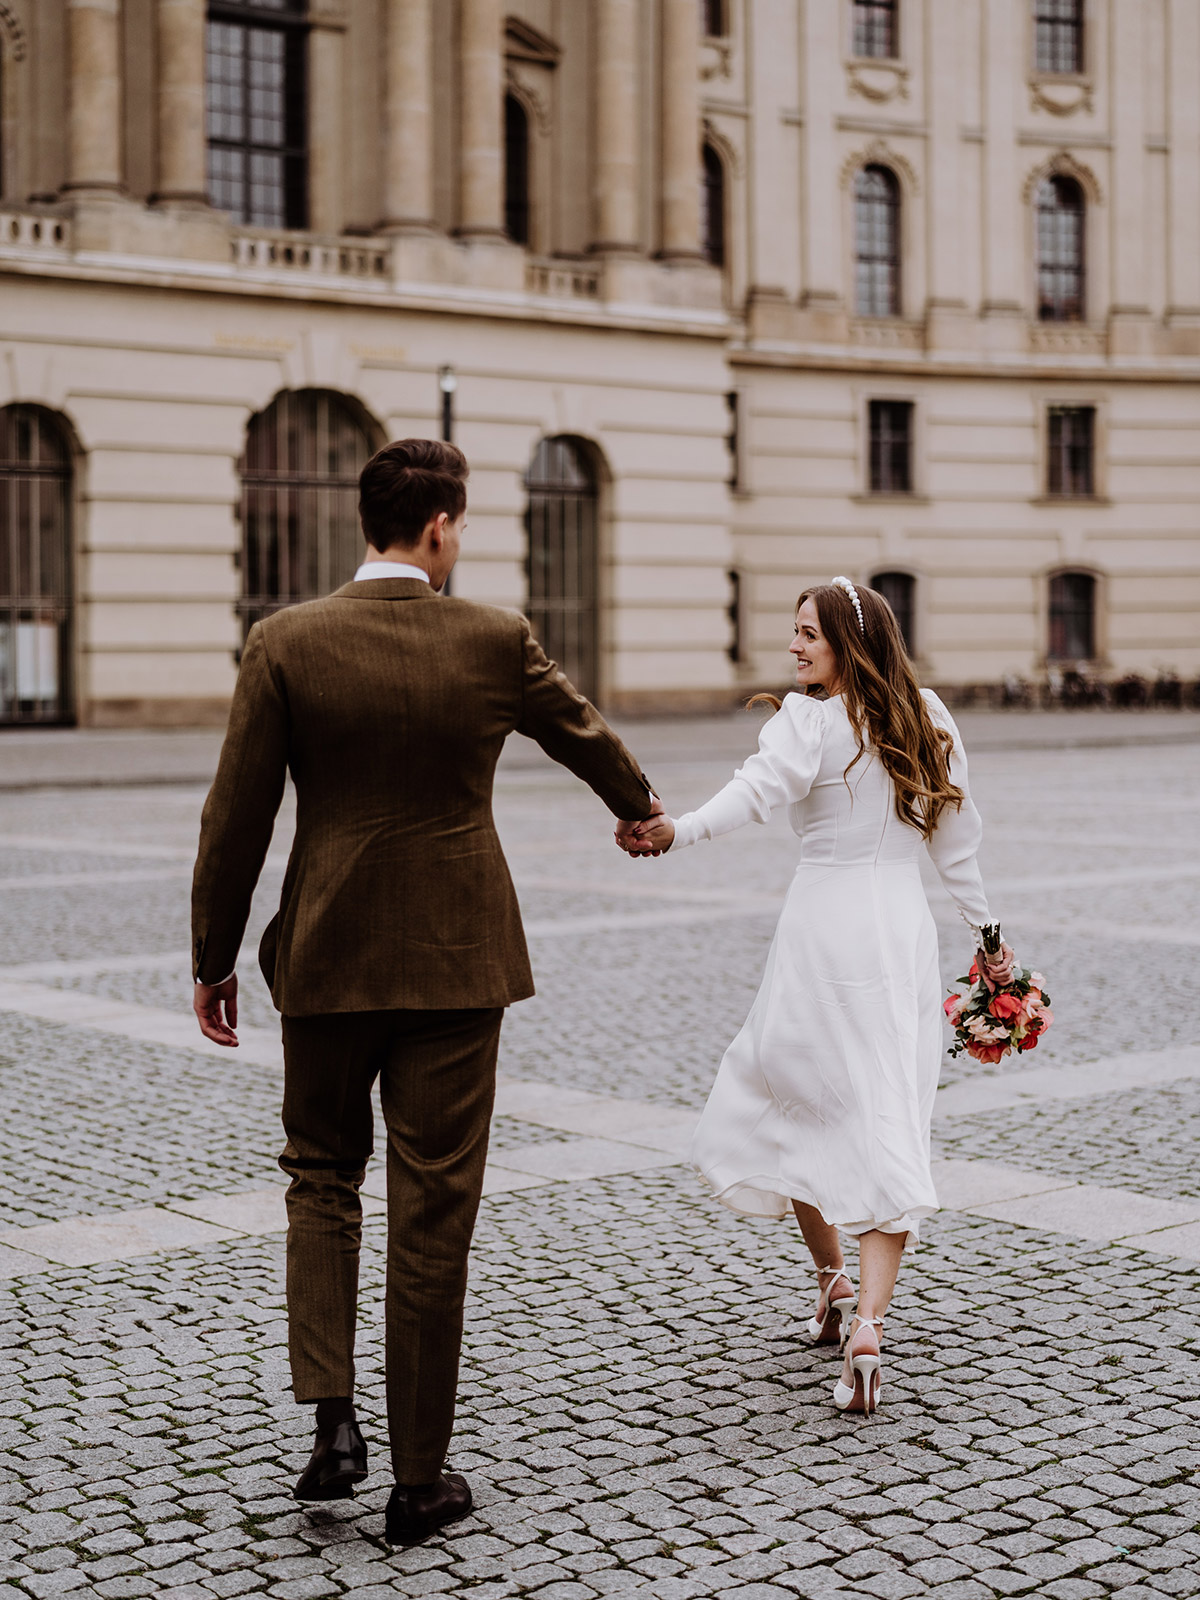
x,y
878,154
1061,97
716,59
879,81
1063,164
10,24
528,95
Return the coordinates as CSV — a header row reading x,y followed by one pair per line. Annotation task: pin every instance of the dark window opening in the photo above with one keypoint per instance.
x,y
563,525
714,23
516,170
300,531
899,590
875,29
1058,35
890,455
1072,617
712,207
877,243
36,588
1060,253
257,112
1071,451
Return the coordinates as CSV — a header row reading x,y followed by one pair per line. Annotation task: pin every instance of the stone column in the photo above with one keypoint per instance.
x,y
1183,160
408,116
326,124
1004,229
680,130
772,147
1129,174
944,68
616,129
181,148
481,202
93,95
824,291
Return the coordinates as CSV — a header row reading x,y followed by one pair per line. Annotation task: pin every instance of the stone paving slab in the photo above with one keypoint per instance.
x,y
1090,1212
83,1241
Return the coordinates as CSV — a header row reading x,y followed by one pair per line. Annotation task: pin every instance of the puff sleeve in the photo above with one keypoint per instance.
x,y
781,772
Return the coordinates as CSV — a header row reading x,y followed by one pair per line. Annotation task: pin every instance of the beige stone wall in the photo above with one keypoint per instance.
x,y
157,331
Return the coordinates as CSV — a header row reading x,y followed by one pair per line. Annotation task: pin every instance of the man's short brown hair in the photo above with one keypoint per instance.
x,y
405,485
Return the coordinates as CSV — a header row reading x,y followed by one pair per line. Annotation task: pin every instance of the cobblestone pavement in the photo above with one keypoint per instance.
x,y
640,1411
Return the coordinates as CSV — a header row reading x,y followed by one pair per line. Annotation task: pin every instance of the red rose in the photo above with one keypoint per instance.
x,y
1029,1042
990,1053
1006,1007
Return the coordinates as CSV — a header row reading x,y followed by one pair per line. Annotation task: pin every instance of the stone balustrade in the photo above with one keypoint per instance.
x,y
273,252
563,280
33,231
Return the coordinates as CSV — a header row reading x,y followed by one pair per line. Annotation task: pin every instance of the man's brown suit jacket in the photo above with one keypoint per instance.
x,y
389,705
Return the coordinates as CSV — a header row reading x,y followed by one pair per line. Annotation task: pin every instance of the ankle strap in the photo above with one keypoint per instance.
x,y
837,1272
867,1322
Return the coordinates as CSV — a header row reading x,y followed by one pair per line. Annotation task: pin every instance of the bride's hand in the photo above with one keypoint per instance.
x,y
653,836
999,968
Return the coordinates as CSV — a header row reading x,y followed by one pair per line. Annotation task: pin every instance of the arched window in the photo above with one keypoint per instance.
x,y
257,98
712,207
899,590
300,530
714,23
877,243
564,558
516,170
1072,617
35,567
1060,221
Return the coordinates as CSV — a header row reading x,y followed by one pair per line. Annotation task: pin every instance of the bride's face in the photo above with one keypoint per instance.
x,y
815,660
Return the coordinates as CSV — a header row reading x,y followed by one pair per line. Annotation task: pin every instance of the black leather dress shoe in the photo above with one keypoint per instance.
x,y
413,1514
338,1462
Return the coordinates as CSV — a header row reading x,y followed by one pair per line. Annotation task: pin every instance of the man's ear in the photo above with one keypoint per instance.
x,y
437,532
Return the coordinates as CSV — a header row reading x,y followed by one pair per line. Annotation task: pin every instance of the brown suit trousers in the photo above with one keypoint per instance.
x,y
437,1072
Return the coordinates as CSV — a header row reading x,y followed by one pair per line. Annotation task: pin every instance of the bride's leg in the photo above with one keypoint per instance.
x,y
825,1247
878,1264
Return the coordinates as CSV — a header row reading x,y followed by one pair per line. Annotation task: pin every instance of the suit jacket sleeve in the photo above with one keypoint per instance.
x,y
571,731
239,814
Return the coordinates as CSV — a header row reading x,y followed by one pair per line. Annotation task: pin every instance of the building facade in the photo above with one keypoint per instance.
x,y
720,298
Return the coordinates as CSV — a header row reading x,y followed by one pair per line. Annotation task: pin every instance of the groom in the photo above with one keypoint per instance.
x,y
397,944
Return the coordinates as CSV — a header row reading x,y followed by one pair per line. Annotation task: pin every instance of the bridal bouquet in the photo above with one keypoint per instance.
x,y
990,1021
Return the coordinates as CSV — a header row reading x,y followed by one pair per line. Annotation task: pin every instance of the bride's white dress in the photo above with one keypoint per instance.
x,y
826,1095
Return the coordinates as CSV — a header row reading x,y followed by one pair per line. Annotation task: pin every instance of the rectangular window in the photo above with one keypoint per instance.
x,y
1072,617
875,29
891,440
713,22
257,116
1070,451
1058,35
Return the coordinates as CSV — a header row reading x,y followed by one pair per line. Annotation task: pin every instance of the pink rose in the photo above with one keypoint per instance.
x,y
953,1008
1006,1006
990,1053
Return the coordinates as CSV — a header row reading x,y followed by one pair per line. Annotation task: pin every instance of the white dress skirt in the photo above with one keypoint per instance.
x,y
826,1095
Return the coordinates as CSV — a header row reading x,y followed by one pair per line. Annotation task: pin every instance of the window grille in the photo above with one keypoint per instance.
x,y
890,455
1060,217
877,243
1058,35
875,29
899,590
36,589
562,522
257,112
300,530
712,207
1072,617
1070,451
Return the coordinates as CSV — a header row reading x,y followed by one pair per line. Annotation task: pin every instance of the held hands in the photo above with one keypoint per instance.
x,y
649,837
998,969
215,1005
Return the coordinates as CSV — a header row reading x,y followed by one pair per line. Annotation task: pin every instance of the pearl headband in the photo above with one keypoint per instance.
x,y
852,594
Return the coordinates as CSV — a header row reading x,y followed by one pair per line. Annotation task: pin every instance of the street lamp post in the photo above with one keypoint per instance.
x,y
447,383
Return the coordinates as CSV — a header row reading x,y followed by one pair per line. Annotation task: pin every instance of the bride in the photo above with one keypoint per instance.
x,y
823,1102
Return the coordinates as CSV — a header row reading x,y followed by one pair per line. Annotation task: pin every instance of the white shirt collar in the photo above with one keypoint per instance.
x,y
389,569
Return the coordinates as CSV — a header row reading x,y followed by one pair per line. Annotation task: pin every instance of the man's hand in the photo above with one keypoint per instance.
x,y
627,834
215,1005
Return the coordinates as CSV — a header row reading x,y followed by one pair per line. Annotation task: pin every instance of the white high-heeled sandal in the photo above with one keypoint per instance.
x,y
864,1370
834,1322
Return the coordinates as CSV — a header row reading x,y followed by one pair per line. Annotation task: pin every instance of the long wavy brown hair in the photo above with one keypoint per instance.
x,y
884,703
